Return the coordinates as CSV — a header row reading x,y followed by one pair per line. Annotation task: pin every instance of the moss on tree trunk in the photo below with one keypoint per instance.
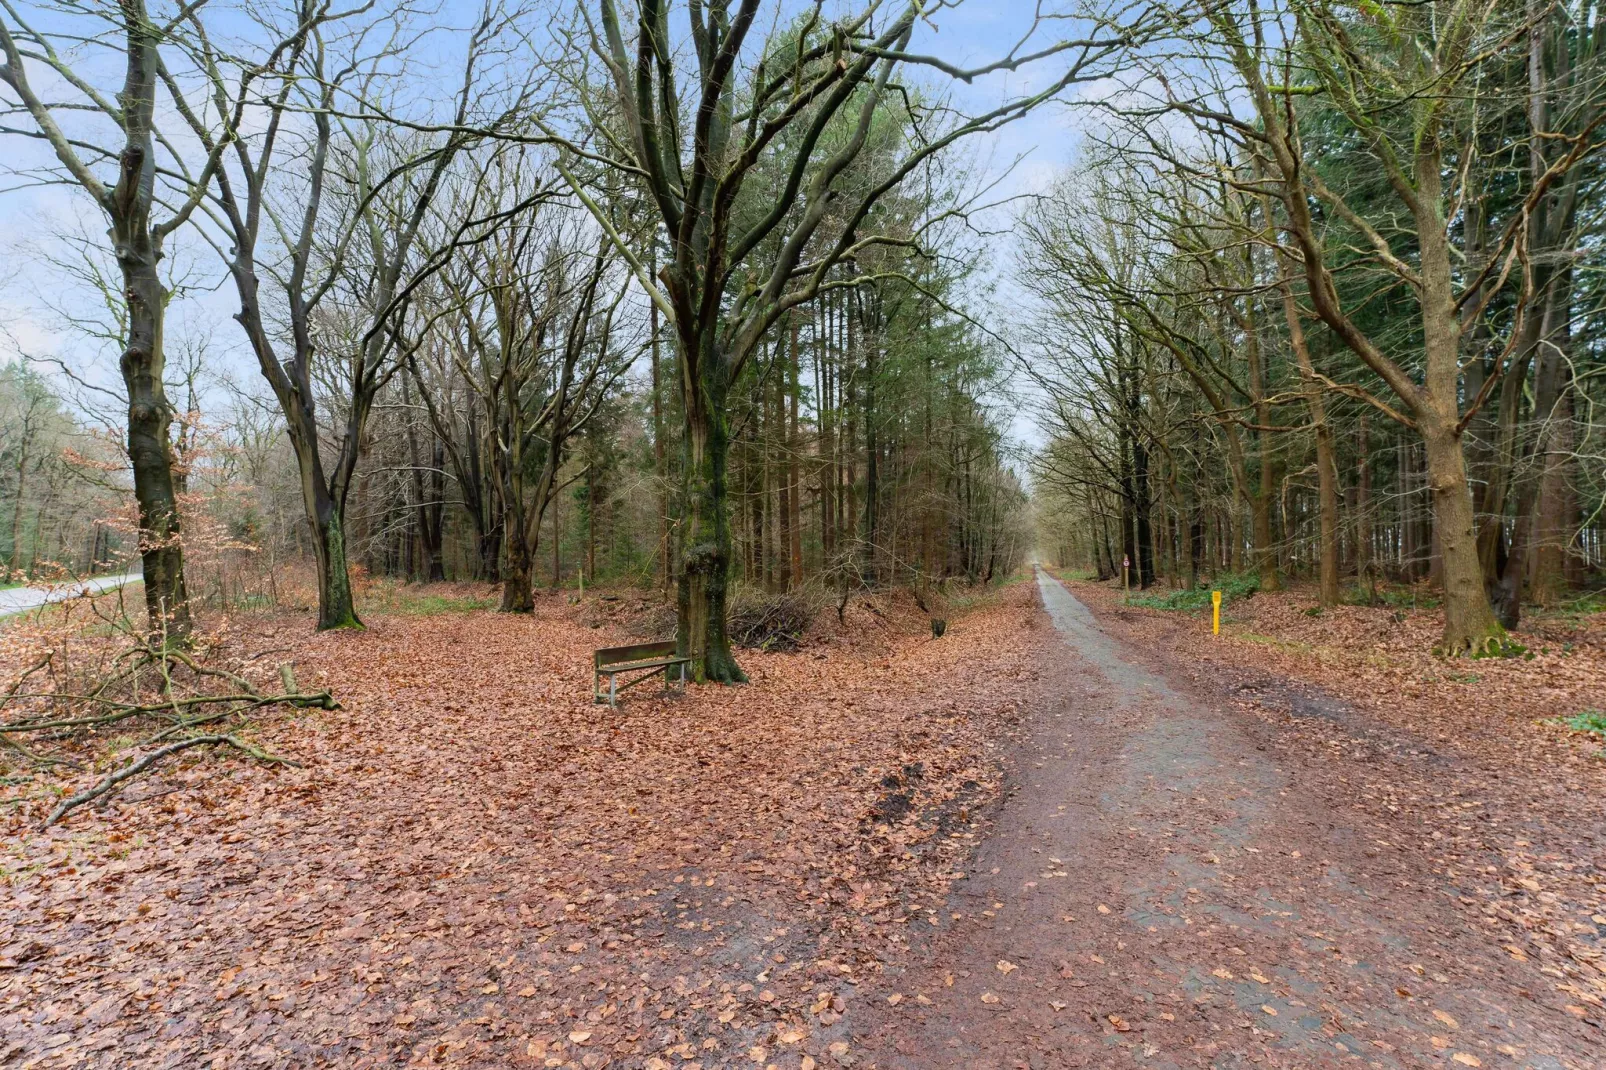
x,y
336,605
705,555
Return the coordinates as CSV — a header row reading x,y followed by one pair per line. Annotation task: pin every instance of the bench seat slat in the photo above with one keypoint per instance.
x,y
615,654
626,666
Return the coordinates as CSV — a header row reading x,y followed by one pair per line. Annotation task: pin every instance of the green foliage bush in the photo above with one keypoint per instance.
x,y
1591,722
1232,585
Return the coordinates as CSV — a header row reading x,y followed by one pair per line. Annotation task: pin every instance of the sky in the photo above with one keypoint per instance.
x,y
42,228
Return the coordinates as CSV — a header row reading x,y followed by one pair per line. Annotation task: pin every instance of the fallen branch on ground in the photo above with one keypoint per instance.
x,y
322,700
127,681
127,772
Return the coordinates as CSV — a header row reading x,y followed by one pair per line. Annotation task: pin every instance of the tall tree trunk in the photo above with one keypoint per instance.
x,y
434,515
779,449
1144,534
507,468
12,561
1555,531
1470,624
794,447
591,523
427,565
872,459
150,417
1543,460
336,605
1326,461
705,554
518,583
660,456
1363,503
1260,500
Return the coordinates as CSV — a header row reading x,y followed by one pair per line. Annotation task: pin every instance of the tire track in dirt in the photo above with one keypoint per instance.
x,y
1162,892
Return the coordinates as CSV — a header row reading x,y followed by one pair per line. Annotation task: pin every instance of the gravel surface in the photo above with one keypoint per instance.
x,y
22,599
1171,884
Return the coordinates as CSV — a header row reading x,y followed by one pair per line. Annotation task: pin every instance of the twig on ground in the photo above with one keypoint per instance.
x,y
127,772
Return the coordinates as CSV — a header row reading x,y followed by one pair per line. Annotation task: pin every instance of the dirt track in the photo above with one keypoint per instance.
x,y
1162,890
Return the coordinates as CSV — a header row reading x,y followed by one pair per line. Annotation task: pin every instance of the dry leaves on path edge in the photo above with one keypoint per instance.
x,y
476,864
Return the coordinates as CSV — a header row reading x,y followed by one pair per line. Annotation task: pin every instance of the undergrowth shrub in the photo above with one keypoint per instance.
x,y
1232,585
1590,722
1585,605
1394,597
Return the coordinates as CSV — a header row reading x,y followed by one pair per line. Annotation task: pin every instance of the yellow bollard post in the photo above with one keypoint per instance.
x,y
1215,623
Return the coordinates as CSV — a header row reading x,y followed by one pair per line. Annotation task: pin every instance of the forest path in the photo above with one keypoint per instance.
x,y
1160,891
22,599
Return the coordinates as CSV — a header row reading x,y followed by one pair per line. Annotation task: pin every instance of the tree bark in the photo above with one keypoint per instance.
x,y
794,447
705,554
150,448
1326,462
1260,500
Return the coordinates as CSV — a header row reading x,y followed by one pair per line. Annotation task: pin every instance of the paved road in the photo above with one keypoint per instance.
x,y
20,599
1162,890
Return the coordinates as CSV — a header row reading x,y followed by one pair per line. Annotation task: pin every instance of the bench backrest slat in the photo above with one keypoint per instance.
x,y
614,655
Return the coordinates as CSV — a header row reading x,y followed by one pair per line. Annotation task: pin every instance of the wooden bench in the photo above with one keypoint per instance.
x,y
650,659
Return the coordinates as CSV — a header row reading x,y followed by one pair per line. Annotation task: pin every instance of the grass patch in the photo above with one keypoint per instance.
x,y
400,602
1234,587
1293,646
1589,722
1585,605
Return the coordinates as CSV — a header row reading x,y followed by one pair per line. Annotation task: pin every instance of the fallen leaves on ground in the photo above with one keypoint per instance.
x,y
478,866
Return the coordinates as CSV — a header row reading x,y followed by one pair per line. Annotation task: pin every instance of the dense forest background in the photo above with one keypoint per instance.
x,y
1312,294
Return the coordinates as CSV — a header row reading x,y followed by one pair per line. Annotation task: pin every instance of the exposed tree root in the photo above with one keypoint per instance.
x,y
1494,644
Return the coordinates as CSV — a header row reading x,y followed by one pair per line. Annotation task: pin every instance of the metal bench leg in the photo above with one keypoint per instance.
x,y
613,690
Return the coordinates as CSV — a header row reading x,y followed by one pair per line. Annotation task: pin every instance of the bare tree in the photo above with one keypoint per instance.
x,y
534,339
146,196
357,233
803,101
